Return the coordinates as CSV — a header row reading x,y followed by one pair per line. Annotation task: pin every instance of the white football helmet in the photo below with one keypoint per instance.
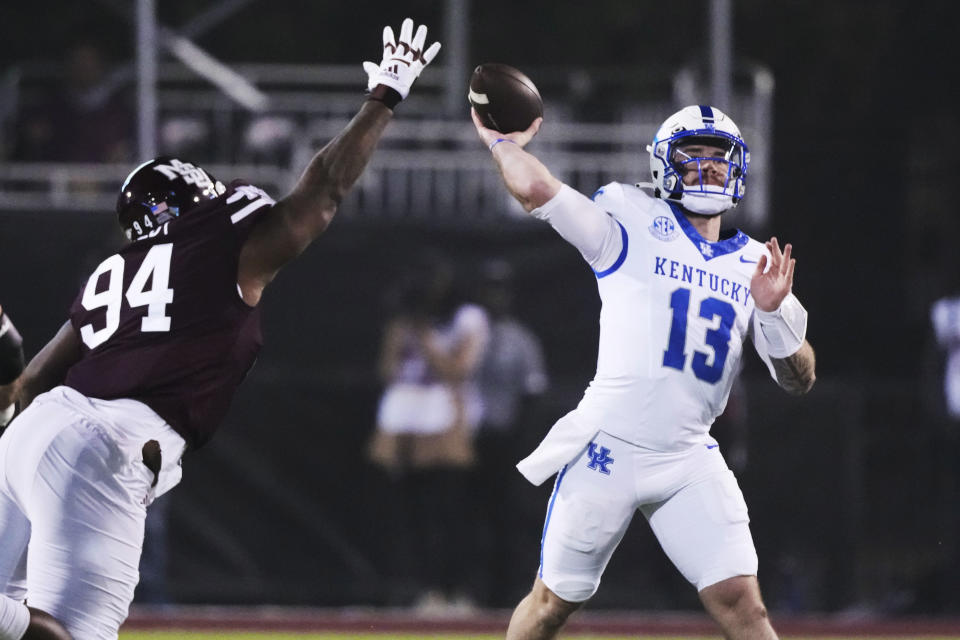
x,y
694,128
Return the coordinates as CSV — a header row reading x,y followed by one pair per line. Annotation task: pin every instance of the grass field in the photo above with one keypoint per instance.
x,y
224,635
220,635
279,623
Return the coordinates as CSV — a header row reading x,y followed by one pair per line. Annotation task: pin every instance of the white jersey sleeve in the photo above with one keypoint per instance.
x,y
760,344
586,225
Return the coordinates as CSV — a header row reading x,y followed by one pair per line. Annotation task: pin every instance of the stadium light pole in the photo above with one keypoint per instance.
x,y
455,52
721,53
146,79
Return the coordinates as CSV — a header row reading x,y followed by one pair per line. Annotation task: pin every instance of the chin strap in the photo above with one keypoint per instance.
x,y
706,204
785,328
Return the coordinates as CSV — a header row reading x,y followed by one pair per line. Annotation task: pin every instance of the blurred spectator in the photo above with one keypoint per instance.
x,y
511,373
186,136
423,439
269,139
512,368
86,119
945,318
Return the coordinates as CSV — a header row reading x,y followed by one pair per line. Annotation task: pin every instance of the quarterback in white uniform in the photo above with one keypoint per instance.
x,y
679,299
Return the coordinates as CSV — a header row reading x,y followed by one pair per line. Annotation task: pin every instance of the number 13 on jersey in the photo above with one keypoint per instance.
x,y
155,268
718,339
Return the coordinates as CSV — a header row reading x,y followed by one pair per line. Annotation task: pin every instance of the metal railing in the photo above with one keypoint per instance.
x,y
427,167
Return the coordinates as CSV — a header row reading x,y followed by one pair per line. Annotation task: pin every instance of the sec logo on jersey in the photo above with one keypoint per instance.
x,y
663,228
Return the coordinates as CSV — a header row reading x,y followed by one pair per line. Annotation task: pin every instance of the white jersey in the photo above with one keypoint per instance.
x,y
676,312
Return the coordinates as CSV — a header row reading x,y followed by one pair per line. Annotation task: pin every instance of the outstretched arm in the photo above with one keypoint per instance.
x,y
48,368
301,216
304,214
783,320
526,178
579,220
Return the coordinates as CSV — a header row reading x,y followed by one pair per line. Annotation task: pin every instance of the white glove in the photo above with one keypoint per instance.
x,y
403,60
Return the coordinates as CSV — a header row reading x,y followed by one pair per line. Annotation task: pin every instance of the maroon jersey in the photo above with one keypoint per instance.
x,y
162,321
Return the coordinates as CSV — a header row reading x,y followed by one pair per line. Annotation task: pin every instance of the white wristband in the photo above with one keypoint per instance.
x,y
784,329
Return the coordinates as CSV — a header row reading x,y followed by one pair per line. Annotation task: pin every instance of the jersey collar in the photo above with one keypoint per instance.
x,y
709,250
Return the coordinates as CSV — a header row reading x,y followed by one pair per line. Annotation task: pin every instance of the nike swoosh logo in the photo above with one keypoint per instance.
x,y
742,259
712,446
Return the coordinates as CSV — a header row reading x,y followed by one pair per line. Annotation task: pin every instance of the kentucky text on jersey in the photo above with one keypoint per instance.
x,y
702,278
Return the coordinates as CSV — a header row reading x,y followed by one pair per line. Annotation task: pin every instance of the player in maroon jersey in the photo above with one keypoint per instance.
x,y
157,341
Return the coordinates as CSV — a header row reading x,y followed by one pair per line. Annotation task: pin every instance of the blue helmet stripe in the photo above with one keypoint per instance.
x,y
706,112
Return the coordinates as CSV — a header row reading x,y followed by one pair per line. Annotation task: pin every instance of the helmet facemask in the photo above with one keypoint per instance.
x,y
699,160
710,170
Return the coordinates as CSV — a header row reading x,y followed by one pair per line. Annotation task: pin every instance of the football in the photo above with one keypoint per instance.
x,y
505,99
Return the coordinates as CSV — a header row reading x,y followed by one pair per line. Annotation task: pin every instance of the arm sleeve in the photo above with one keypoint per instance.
x,y
760,344
759,340
584,224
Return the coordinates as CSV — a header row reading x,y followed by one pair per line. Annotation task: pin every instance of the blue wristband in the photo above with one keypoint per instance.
x,y
498,141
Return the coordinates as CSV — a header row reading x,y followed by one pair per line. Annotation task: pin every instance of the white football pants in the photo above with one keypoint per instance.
x,y
690,498
73,497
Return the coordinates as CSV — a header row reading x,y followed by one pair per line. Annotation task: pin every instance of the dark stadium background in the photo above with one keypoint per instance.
x,y
852,490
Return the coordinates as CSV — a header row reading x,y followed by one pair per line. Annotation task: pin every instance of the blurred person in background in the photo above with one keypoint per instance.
x,y
88,118
945,320
511,375
680,296
430,407
157,342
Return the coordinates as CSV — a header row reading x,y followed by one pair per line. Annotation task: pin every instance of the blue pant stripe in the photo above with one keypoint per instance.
x,y
553,498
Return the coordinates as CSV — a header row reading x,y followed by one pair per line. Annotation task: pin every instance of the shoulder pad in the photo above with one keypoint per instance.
x,y
621,199
608,193
243,198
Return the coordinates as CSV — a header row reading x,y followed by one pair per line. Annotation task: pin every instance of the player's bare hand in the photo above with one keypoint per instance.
x,y
769,286
520,138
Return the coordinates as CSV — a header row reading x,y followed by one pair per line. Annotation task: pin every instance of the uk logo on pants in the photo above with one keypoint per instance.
x,y
599,459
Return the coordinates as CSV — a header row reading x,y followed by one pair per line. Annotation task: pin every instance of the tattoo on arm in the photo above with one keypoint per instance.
x,y
795,373
304,213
